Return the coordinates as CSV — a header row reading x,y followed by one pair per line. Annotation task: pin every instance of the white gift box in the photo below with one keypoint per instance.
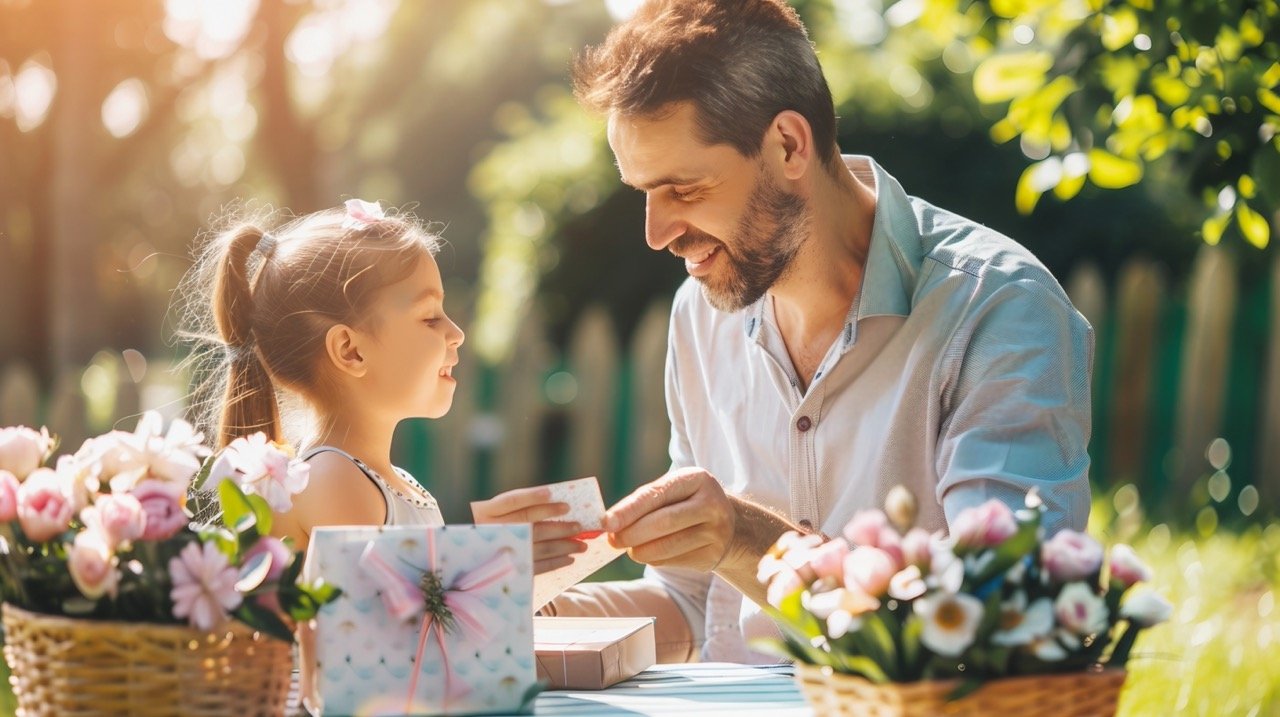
x,y
378,651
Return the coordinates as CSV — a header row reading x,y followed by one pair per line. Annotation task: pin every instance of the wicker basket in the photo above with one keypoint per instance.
x,y
1074,694
63,667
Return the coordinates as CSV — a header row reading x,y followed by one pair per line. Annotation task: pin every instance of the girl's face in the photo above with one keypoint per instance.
x,y
414,346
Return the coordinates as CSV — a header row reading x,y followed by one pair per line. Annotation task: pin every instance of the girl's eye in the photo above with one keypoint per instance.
x,y
432,322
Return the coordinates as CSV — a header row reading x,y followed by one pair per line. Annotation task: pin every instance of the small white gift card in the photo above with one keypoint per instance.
x,y
586,507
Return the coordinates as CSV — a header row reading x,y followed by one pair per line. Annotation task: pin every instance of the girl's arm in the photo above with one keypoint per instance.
x,y
337,493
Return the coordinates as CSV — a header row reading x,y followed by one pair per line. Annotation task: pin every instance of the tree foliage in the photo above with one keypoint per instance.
x,y
1110,91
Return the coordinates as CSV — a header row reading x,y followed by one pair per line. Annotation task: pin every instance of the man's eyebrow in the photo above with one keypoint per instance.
x,y
670,179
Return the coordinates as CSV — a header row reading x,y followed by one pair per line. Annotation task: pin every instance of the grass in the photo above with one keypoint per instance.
x,y
1216,657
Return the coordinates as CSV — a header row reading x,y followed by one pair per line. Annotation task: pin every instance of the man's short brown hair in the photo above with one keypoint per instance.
x,y
740,62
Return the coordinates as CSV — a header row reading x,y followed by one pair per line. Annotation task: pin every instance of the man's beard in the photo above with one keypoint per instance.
x,y
768,236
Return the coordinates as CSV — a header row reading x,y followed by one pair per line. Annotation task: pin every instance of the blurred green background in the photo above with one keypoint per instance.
x,y
1129,144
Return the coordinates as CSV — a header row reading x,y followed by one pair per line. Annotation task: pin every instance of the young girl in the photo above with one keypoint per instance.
x,y
342,313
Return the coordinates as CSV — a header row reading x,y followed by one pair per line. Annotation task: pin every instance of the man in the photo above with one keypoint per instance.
x,y
837,337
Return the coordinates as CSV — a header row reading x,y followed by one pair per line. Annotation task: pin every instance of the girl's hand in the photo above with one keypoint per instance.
x,y
553,541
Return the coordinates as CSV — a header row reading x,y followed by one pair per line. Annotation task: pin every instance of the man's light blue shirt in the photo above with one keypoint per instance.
x,y
962,373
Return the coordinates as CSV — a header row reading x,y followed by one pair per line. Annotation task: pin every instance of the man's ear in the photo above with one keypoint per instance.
x,y
791,137
342,346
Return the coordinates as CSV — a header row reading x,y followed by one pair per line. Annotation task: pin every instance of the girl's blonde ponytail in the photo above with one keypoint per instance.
x,y
249,400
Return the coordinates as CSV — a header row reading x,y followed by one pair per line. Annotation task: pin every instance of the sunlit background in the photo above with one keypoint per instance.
x,y
1130,144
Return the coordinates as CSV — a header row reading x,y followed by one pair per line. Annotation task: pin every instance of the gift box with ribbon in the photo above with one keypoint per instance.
x,y
592,653
431,621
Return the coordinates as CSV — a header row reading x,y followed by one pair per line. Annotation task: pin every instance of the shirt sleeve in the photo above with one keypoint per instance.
x,y
688,588
1016,414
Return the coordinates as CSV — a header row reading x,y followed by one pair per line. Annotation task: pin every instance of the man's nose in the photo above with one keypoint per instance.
x,y
661,225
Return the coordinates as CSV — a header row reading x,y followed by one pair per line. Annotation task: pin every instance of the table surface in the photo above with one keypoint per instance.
x,y
692,689
709,688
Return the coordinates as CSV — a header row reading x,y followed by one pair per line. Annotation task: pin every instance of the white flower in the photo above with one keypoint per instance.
x,y
946,571
1080,610
23,449
148,453
908,584
261,468
1144,607
1047,648
1020,625
950,622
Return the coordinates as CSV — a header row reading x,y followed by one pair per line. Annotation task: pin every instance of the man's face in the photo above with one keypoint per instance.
x,y
735,226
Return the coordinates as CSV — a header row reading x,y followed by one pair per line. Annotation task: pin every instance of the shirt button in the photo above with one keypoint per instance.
x,y
804,424
806,524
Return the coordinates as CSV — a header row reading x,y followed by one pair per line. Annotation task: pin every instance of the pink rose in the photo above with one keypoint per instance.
x,y
1126,569
1071,556
916,548
117,517
162,503
281,557
827,560
984,526
45,507
8,496
891,542
92,566
865,528
870,570
23,449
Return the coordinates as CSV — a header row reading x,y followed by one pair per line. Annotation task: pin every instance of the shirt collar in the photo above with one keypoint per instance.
x,y
893,259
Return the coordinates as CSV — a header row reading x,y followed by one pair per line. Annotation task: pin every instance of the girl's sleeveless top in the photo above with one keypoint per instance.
x,y
416,508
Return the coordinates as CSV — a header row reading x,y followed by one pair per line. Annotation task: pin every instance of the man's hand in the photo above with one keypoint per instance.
x,y
683,519
553,543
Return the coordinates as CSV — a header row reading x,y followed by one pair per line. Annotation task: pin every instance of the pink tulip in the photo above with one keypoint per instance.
x,y
45,508
23,449
8,496
1126,569
865,528
162,503
916,548
119,518
92,566
827,560
984,526
870,570
1071,556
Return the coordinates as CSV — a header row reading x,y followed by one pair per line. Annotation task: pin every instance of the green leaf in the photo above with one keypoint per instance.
x,y
1026,195
1119,28
263,620
1213,228
236,509
1003,77
1111,172
1253,226
262,511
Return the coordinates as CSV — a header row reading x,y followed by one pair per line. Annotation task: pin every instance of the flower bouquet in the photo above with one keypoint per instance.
x,y
891,620
109,585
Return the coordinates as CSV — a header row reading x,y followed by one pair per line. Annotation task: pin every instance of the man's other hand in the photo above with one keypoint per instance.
x,y
683,519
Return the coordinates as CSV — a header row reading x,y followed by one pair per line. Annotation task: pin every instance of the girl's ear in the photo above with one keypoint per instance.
x,y
342,346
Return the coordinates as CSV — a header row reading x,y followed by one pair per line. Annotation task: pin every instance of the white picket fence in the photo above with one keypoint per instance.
x,y
598,409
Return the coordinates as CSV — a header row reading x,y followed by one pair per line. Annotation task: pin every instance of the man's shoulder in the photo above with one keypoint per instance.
x,y
993,259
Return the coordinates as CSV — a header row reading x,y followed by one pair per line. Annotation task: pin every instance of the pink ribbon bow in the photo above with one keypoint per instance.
x,y
403,600
361,214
